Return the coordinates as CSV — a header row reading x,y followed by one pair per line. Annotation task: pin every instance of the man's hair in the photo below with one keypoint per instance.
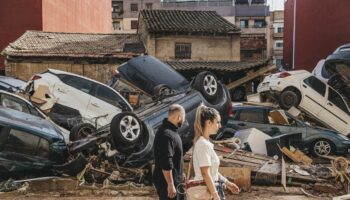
x,y
176,108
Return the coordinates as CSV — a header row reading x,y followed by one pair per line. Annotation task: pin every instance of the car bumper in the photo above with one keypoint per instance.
x,y
270,86
343,148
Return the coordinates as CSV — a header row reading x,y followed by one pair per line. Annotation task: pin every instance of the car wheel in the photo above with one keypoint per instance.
x,y
238,94
81,131
126,129
288,98
322,147
207,84
162,90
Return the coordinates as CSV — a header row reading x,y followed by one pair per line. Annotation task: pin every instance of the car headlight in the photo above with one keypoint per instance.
x,y
343,136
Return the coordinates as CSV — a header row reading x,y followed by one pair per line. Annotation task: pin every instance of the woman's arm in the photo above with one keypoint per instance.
x,y
209,182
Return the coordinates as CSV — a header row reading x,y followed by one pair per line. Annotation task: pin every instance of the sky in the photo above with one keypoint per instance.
x,y
276,4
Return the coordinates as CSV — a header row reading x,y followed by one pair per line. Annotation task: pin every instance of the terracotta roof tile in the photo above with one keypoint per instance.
x,y
187,22
228,66
52,44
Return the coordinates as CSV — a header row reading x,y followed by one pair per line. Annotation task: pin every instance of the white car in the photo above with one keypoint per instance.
x,y
302,89
16,102
79,99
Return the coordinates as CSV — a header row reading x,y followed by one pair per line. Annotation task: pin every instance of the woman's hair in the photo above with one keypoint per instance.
x,y
203,114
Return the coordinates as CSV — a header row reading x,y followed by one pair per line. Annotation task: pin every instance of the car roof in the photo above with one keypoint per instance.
x,y
12,81
55,71
253,107
24,121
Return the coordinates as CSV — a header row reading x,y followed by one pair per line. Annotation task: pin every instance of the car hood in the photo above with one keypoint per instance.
x,y
146,72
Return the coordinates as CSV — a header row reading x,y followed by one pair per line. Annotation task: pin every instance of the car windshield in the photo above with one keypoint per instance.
x,y
146,72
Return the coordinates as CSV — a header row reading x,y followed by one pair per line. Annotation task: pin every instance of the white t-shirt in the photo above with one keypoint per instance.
x,y
204,155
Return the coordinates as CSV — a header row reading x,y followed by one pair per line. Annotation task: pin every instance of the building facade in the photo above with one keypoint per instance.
x,y
189,35
326,28
125,13
86,16
252,16
277,27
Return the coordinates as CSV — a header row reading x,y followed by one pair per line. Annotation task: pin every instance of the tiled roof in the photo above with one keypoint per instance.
x,y
226,66
54,44
187,22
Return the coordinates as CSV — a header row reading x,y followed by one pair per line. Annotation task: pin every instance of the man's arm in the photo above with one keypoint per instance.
x,y
168,175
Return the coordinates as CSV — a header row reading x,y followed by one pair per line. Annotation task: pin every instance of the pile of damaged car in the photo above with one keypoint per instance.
x,y
61,124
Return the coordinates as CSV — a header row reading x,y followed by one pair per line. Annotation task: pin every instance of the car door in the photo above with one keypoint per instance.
x,y
23,150
249,118
313,92
73,92
105,103
336,110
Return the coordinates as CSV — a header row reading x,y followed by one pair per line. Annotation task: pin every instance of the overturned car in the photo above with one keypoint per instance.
x,y
133,133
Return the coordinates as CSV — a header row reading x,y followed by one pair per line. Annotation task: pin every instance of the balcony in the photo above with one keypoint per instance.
x,y
252,11
117,15
277,35
254,30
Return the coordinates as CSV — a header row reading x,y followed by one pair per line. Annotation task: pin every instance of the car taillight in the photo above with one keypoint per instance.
x,y
283,74
36,77
229,112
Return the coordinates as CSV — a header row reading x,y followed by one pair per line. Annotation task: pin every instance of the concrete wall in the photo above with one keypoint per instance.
x,y
207,48
24,70
86,16
321,26
15,18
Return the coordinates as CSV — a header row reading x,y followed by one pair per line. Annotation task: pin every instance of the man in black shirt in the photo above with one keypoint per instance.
x,y
168,155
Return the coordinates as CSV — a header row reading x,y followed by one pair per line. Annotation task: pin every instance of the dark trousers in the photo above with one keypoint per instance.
x,y
163,192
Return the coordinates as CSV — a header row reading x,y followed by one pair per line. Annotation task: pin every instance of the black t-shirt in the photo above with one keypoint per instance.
x,y
168,154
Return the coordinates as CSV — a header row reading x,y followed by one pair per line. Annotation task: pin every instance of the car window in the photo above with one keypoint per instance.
x,y
139,80
109,96
14,103
252,115
4,132
316,84
26,143
78,83
335,98
33,111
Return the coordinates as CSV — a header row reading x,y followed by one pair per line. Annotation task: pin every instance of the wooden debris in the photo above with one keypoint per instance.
x,y
297,156
240,176
325,188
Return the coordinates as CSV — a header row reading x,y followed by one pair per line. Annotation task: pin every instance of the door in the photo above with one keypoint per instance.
x,y
313,92
74,92
336,111
104,105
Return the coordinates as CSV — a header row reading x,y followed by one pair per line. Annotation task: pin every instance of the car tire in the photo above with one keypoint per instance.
x,y
288,98
162,90
322,147
207,84
238,94
81,131
126,129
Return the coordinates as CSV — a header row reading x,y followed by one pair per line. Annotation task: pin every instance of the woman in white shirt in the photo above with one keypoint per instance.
x,y
205,161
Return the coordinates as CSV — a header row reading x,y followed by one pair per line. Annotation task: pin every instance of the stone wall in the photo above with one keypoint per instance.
x,y
208,48
24,70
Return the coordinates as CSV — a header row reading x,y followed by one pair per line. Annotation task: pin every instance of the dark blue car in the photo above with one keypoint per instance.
x,y
316,140
28,144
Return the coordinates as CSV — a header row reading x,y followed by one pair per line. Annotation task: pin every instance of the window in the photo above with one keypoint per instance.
x,y
243,23
316,84
14,103
247,53
78,83
116,26
280,30
134,7
279,44
259,23
108,95
182,50
26,143
134,24
252,115
149,6
335,98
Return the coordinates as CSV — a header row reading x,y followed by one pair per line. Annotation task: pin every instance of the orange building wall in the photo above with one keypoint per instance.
x,y
85,16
